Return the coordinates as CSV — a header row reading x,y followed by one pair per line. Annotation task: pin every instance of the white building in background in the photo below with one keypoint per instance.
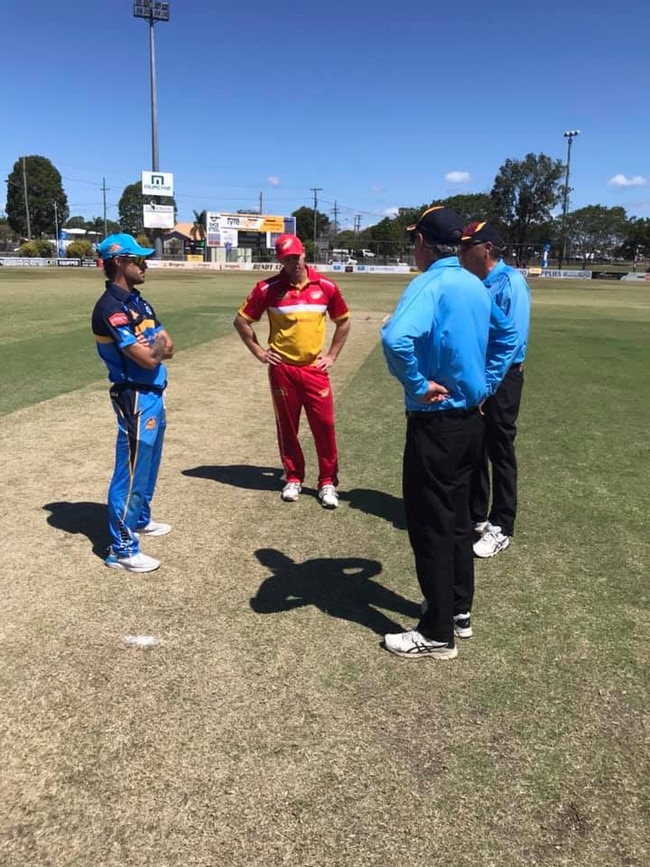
x,y
67,236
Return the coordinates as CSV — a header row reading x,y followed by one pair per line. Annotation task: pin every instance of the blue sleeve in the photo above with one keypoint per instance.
x,y
501,348
410,322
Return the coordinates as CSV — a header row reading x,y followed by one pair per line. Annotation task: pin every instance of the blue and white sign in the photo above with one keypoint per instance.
x,y
157,184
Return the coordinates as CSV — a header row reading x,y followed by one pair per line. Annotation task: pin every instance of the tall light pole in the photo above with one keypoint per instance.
x,y
315,191
29,228
569,135
153,11
56,230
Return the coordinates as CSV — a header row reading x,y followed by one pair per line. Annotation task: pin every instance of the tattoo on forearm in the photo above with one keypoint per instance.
x,y
158,346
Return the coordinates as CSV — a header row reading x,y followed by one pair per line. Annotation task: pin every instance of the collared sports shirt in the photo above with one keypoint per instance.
x,y
511,293
118,318
447,328
296,316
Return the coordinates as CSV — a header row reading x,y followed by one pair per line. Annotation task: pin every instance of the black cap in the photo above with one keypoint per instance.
x,y
439,225
479,232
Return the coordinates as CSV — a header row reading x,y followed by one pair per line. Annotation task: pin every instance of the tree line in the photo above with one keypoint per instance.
x,y
524,196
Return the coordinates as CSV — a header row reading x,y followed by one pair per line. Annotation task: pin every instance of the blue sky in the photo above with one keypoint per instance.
x,y
380,105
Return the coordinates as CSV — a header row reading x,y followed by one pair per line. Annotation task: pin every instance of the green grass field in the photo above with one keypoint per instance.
x,y
278,732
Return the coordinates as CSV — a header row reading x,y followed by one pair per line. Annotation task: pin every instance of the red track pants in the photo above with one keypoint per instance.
x,y
293,388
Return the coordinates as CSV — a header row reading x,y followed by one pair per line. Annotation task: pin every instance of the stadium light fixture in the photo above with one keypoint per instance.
x,y
569,135
152,11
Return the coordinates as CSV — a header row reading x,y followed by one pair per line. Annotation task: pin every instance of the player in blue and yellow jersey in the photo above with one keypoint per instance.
x,y
449,346
132,344
480,253
297,301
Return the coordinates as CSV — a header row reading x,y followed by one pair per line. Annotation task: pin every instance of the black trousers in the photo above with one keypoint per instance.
x,y
498,450
441,451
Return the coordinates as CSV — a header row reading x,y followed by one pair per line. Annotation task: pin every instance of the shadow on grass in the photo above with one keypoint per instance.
x,y
254,478
90,519
377,503
241,476
339,587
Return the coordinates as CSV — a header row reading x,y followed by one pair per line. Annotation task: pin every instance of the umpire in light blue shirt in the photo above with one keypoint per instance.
x,y
480,253
449,345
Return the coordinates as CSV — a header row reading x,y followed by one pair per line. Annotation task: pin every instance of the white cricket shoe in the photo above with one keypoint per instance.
x,y
136,563
328,497
291,492
413,645
491,542
154,528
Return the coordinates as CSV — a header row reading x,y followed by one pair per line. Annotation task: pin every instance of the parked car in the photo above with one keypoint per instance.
x,y
342,260
366,254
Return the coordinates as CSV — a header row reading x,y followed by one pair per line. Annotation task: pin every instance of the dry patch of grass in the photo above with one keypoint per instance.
x,y
267,727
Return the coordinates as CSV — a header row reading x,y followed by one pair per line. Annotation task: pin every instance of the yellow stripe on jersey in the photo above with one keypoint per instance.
x,y
297,331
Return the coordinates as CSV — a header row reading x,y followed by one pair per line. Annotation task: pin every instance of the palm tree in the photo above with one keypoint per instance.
x,y
200,222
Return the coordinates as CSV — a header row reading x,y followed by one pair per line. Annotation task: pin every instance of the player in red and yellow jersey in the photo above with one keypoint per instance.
x,y
296,301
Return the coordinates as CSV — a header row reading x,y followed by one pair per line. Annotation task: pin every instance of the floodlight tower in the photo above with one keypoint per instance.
x,y
569,135
152,11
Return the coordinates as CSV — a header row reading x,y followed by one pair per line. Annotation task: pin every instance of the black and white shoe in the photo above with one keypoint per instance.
x,y
413,645
463,625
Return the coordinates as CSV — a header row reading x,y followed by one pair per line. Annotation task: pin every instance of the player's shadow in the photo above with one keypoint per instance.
x,y
341,587
240,476
90,519
377,503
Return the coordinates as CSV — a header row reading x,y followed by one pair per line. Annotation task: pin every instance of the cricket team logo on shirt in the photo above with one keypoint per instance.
x,y
117,319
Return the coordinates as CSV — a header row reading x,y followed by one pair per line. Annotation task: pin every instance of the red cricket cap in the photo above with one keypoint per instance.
x,y
288,245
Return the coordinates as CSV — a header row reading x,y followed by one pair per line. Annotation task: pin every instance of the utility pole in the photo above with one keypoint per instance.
x,y
569,136
315,191
261,204
56,230
335,211
104,197
357,224
29,228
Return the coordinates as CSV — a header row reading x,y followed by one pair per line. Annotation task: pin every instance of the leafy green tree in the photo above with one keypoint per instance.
x,y
76,223
44,191
130,206
524,194
636,243
305,223
129,209
96,224
471,206
8,238
346,240
37,249
388,236
80,249
595,231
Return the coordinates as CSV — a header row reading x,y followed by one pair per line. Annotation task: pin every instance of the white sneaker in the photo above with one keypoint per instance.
x,y
463,625
481,527
136,563
154,528
291,492
413,645
491,542
328,497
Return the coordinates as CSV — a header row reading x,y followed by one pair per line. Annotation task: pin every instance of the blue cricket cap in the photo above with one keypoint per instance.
x,y
122,245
